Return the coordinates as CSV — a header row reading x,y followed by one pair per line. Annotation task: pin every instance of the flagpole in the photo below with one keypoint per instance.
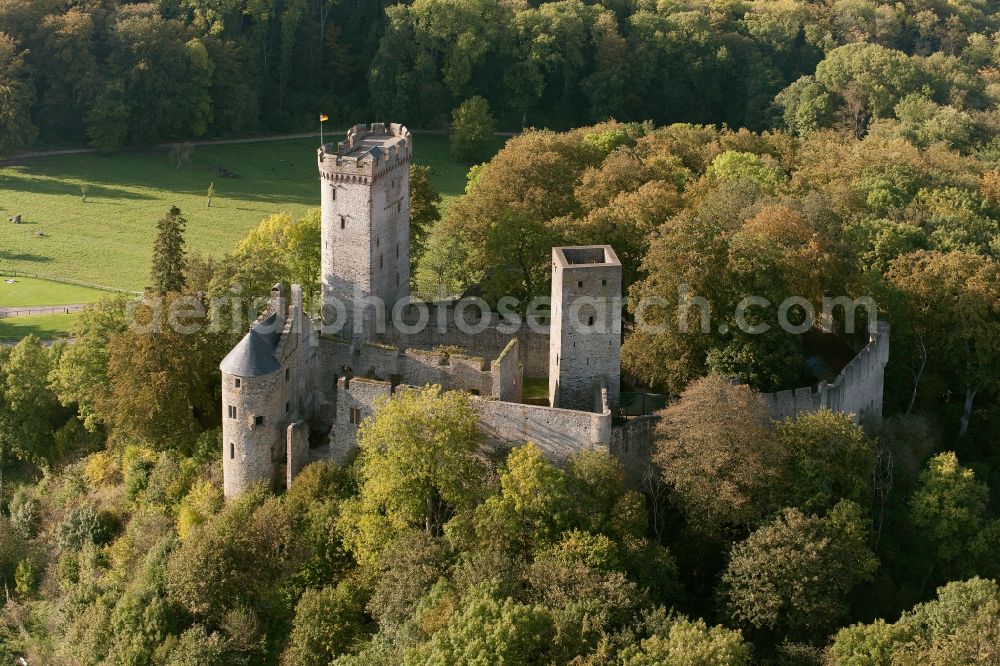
x,y
321,133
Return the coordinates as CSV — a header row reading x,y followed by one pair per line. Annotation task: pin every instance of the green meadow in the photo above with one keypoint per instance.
x,y
26,291
108,240
45,327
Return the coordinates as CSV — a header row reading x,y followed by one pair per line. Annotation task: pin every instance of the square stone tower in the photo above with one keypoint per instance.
x,y
365,185
585,336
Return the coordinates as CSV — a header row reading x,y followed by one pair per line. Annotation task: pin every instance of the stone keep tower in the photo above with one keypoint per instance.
x,y
365,185
585,336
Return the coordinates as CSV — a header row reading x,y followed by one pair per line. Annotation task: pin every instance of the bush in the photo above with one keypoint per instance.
x,y
85,524
101,469
137,471
472,128
195,647
10,549
169,480
201,503
25,513
207,446
27,577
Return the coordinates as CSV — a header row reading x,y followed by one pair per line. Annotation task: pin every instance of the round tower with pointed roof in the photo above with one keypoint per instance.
x,y
252,408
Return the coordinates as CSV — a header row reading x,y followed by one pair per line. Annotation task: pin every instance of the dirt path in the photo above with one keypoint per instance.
x,y
18,158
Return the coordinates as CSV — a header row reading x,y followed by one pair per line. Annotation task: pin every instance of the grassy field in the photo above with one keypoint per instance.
x,y
535,388
30,291
108,240
44,326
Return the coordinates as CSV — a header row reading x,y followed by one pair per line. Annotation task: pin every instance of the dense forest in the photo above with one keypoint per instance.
x,y
777,148
810,540
110,73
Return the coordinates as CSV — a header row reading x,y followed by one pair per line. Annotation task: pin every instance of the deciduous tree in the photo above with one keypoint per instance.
x,y
954,304
472,128
81,375
489,630
417,466
17,95
792,577
961,626
328,622
715,449
28,406
830,459
163,374
690,642
425,202
949,507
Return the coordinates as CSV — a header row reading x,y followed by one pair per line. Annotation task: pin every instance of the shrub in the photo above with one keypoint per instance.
x,y
85,524
207,446
101,469
27,576
199,504
472,128
25,513
137,471
169,480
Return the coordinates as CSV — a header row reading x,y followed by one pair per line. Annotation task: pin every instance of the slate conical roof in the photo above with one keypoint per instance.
x,y
253,356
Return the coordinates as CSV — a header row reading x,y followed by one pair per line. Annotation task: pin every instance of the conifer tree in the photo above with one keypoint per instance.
x,y
168,253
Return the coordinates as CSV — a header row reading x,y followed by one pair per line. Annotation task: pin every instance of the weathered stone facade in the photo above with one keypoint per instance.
x,y
585,339
268,383
452,325
365,194
857,390
357,399
284,380
557,432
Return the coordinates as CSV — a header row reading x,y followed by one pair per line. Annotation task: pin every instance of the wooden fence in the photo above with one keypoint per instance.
x,y
40,310
6,272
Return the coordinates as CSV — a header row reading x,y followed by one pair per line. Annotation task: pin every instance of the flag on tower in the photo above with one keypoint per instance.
x,y
323,117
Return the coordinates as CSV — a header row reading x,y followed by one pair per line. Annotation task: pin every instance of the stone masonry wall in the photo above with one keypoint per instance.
x,y
345,254
249,453
482,334
585,340
297,452
297,353
389,243
632,444
255,452
857,390
557,432
364,186
508,379
357,394
412,366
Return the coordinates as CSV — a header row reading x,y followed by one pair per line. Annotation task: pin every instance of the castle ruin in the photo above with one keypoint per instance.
x,y
292,394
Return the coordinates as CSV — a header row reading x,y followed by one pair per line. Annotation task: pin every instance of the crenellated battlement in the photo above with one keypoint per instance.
x,y
284,381
369,153
857,390
365,196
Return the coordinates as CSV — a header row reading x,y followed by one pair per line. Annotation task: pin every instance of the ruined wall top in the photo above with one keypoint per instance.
x,y
368,150
585,256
